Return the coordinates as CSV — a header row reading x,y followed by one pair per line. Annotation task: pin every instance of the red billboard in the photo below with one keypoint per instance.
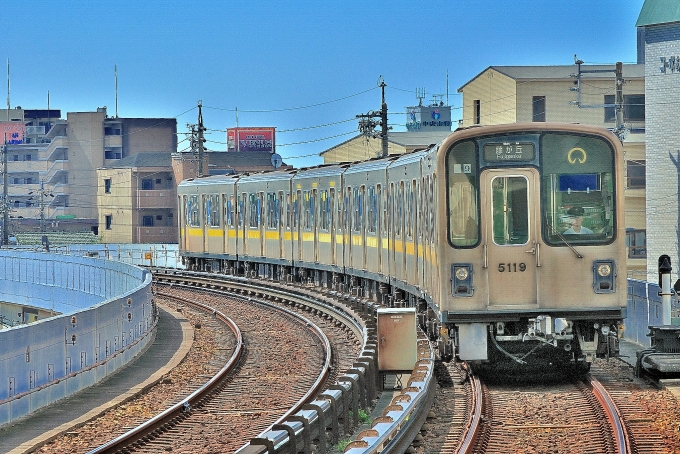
x,y
12,132
251,139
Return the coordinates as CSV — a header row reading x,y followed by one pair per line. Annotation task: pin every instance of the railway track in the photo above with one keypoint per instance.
x,y
269,341
600,414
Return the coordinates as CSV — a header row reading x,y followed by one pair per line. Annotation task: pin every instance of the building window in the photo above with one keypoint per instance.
x,y
477,112
147,184
112,130
147,221
636,241
538,103
108,219
633,108
635,178
107,185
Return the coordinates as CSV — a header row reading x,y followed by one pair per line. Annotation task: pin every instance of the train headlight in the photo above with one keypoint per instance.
x,y
604,269
604,276
461,279
462,273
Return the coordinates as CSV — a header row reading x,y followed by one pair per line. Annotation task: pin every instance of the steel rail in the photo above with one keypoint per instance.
x,y
474,426
621,436
183,407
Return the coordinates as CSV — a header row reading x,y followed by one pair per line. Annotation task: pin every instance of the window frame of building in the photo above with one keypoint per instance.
x,y
107,185
538,108
147,221
636,243
633,108
636,174
108,221
477,112
147,184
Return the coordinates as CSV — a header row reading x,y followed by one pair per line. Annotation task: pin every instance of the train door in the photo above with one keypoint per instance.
x,y
297,222
349,210
511,235
362,222
313,210
377,205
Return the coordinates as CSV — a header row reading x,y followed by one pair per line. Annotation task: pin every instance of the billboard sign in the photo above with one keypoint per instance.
x,y
12,132
251,139
428,118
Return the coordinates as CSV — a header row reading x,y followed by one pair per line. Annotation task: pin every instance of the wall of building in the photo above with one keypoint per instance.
x,y
663,146
359,149
117,204
497,95
85,134
107,319
148,134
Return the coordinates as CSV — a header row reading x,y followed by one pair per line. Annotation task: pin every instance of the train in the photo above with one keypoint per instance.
x,y
509,240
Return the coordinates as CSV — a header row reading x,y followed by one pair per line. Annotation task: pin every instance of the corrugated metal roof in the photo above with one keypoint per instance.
x,y
562,72
655,12
405,139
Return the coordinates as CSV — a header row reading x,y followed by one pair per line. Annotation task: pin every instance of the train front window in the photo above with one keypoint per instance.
x,y
578,190
462,194
510,210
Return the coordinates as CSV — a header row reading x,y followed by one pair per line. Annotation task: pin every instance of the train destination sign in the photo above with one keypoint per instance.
x,y
508,151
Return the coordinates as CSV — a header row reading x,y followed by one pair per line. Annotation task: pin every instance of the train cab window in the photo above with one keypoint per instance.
x,y
193,211
510,210
462,194
578,190
212,210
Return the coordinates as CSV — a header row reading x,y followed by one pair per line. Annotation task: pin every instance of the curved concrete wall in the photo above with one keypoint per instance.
x,y
107,319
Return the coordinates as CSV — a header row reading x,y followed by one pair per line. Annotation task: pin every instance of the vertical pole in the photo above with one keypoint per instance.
x,y
619,96
665,283
200,139
383,121
42,206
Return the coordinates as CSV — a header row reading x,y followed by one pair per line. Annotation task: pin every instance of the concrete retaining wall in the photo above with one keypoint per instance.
x,y
107,319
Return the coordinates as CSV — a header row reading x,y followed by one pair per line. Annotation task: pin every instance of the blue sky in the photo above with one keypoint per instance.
x,y
305,67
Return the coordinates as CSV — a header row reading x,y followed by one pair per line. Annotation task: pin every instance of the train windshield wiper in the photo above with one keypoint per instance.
x,y
564,240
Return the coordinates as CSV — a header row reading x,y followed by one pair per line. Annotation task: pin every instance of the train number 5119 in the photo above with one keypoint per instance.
x,y
512,267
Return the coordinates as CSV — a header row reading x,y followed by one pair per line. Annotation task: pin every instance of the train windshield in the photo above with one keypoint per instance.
x,y
577,189
463,185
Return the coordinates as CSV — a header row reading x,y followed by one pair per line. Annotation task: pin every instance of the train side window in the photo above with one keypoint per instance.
x,y
400,208
254,210
372,212
296,209
324,211
462,195
577,189
272,212
289,211
213,210
193,207
279,210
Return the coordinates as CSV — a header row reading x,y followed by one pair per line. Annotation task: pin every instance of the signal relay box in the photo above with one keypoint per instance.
x,y
397,339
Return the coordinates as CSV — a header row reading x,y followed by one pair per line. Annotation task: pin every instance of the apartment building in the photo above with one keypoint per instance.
x,y
52,170
518,94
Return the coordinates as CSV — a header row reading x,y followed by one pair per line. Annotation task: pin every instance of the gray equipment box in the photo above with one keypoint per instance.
x,y
397,339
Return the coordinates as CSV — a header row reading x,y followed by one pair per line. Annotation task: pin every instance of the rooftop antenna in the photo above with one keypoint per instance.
x,y
115,76
420,94
447,87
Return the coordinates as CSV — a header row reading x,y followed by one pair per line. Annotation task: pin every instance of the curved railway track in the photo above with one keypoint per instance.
x,y
599,414
265,379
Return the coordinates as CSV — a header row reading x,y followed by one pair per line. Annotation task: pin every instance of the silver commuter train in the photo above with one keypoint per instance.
x,y
508,239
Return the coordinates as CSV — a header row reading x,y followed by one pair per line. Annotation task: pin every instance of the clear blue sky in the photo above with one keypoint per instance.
x,y
272,60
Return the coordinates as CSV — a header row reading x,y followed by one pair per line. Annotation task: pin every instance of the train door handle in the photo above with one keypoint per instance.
x,y
532,250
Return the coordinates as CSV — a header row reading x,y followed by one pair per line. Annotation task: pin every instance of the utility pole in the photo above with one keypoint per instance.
x,y
619,97
620,130
367,122
201,140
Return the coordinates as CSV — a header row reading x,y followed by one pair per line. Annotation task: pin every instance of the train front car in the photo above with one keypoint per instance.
x,y
535,244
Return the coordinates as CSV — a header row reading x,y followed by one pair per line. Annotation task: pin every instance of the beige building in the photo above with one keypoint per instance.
x,y
514,94
137,200
362,148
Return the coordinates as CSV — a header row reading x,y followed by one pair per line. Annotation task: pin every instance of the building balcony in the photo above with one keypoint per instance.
x,y
166,198
156,234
